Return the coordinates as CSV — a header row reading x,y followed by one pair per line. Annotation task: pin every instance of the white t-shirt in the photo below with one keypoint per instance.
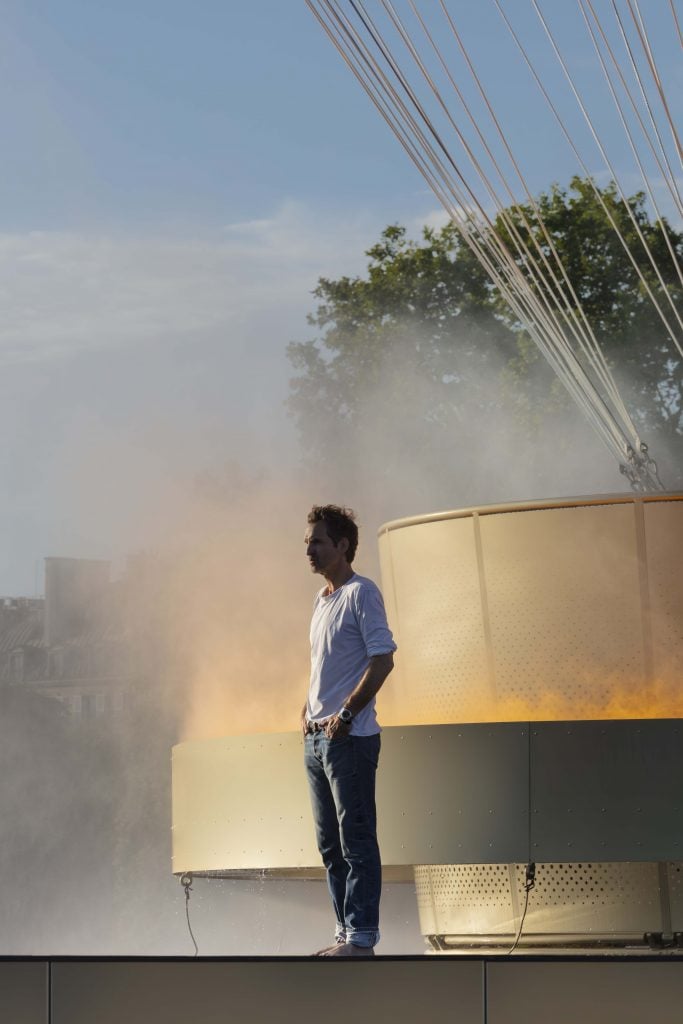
x,y
349,626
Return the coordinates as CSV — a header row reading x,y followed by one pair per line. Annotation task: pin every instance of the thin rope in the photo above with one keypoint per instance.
x,y
522,250
675,17
536,307
622,194
589,177
669,177
622,116
470,238
588,340
642,33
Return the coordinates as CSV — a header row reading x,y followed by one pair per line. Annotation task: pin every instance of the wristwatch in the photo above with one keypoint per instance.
x,y
345,716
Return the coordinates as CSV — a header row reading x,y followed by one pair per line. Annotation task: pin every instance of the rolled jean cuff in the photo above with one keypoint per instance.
x,y
365,939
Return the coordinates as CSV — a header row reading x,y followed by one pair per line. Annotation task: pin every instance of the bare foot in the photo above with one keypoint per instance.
x,y
327,949
348,949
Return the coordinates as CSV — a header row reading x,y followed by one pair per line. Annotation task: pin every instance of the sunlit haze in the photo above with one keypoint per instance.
x,y
174,182
175,179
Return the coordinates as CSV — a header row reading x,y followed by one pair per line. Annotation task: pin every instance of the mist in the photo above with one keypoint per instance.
x,y
208,608
422,441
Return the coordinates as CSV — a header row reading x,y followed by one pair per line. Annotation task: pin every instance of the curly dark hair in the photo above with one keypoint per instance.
x,y
339,522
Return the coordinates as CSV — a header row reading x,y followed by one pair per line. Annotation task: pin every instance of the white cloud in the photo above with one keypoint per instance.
x,y
64,292
436,219
130,363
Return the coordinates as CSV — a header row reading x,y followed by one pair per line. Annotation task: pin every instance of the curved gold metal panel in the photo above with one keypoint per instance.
x,y
553,611
444,793
241,802
453,794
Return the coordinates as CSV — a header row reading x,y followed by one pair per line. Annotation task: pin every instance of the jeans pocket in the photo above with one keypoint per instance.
x,y
369,748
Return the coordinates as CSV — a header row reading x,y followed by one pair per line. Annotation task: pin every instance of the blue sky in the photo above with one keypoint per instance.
x,y
174,114
177,114
175,177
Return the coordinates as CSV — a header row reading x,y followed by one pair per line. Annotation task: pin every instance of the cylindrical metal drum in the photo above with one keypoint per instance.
x,y
512,623
555,610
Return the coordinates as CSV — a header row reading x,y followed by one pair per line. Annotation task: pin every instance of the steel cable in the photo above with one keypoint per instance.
x,y
561,361
545,303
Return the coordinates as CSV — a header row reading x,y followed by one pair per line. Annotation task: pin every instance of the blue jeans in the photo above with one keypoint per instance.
x,y
341,778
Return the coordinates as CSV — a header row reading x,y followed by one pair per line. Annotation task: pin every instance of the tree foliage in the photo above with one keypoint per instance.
x,y
426,332
412,335
611,292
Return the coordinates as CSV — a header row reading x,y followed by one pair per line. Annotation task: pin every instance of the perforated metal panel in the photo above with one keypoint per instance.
x,y
463,904
464,899
675,885
566,610
439,608
663,537
564,601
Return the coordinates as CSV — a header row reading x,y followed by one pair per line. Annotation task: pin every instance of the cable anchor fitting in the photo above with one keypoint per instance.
x,y
640,469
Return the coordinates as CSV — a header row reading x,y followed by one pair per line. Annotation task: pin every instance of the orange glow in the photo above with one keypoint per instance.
x,y
247,600
614,699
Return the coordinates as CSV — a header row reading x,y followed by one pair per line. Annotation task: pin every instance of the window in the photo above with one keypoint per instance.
x,y
16,666
89,705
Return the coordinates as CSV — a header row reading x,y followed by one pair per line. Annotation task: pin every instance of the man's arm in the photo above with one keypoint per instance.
x,y
369,685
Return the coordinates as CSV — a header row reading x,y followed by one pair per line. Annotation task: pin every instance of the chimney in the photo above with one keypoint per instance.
x,y
73,587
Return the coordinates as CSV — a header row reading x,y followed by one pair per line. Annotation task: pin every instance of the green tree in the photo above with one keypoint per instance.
x,y
403,356
648,367
425,333
433,293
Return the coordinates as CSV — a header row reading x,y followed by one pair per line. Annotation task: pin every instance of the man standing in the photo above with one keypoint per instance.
x,y
351,656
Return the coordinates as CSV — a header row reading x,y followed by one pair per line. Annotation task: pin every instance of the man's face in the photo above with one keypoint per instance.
x,y
323,554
